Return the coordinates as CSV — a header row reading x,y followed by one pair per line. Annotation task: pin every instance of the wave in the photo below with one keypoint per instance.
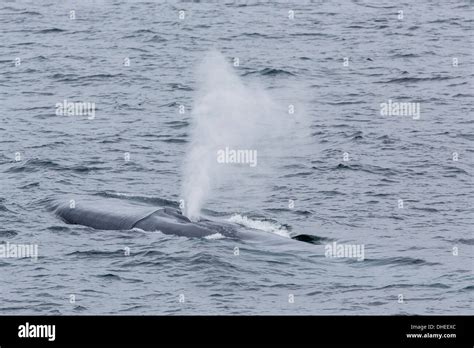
x,y
416,79
468,241
87,78
30,13
404,286
312,34
52,30
109,276
32,165
174,141
405,55
156,38
177,124
36,164
139,31
30,185
254,34
8,233
96,254
399,261
179,87
270,72
367,168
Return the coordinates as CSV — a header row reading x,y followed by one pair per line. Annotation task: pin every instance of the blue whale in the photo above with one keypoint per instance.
x,y
112,214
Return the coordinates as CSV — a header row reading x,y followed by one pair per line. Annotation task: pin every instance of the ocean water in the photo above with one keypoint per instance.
x,y
400,186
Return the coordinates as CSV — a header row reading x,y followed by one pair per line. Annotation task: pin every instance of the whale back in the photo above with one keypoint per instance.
x,y
104,215
113,214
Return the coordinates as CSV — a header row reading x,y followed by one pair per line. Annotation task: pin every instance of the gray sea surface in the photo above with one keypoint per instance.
x,y
400,186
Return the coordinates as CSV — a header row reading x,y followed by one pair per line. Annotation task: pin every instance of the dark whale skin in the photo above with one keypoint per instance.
x,y
104,216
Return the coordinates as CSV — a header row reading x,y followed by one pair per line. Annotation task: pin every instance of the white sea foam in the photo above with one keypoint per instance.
x,y
136,229
266,226
215,236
